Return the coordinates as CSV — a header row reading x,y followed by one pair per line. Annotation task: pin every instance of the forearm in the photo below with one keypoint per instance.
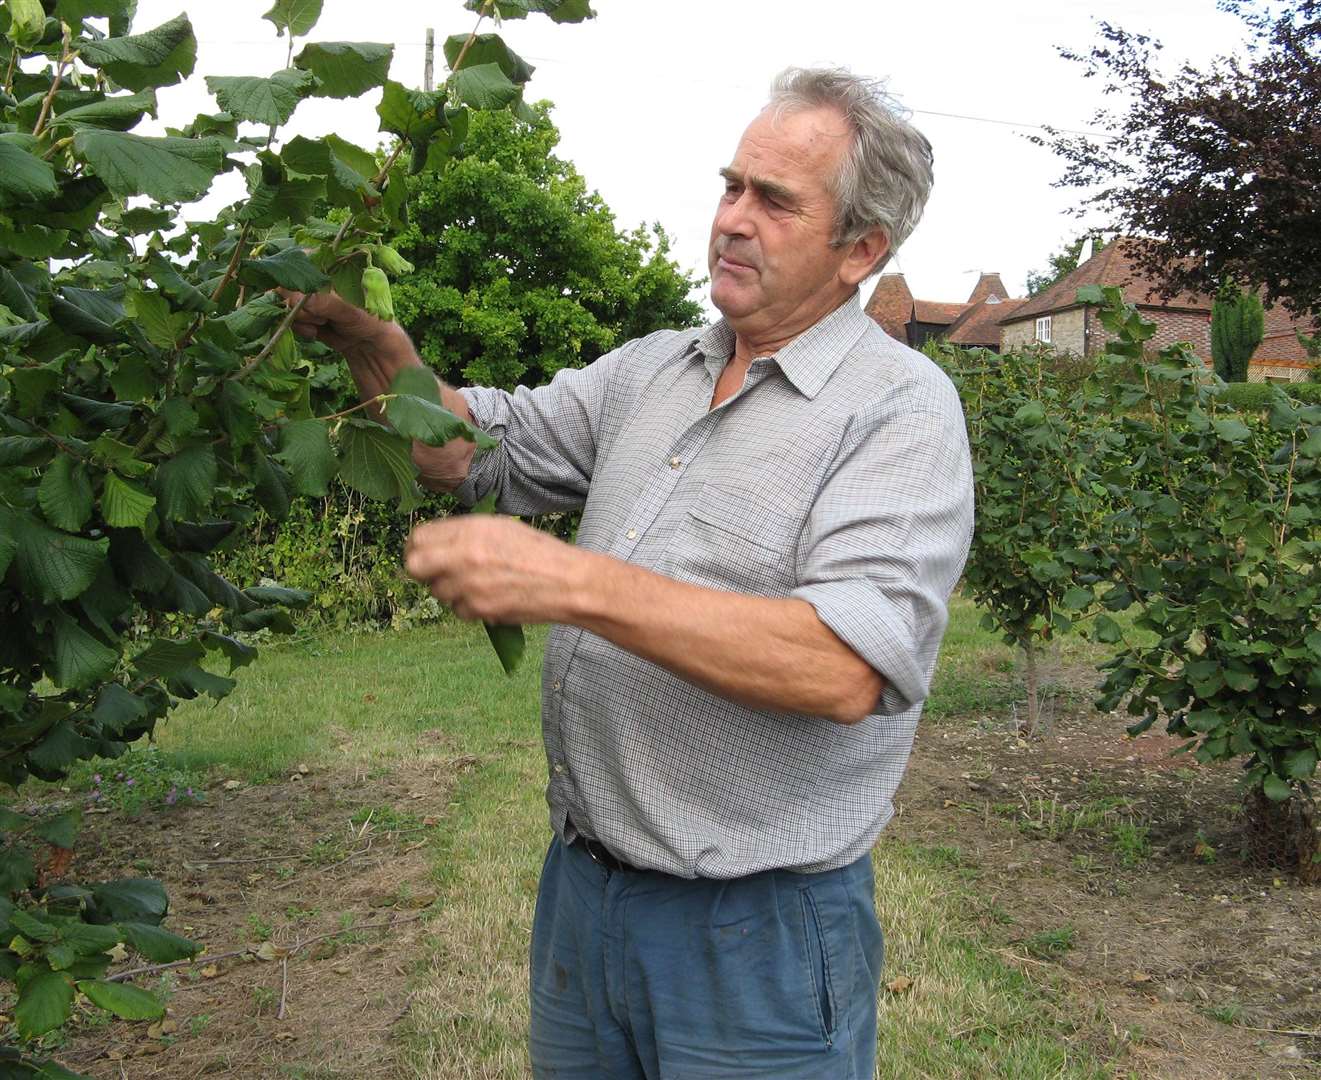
x,y
758,651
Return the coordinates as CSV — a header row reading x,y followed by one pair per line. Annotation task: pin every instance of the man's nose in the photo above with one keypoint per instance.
x,y
734,216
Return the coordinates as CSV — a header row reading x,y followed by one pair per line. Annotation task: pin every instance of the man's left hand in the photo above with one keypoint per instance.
x,y
496,569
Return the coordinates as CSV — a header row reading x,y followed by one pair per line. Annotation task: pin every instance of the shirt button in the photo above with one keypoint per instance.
x,y
675,462
555,686
632,534
559,768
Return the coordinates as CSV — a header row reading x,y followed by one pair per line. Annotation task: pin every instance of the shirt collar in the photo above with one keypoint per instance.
x,y
812,357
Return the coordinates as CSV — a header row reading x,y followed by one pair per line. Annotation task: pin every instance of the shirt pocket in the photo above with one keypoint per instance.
x,y
735,540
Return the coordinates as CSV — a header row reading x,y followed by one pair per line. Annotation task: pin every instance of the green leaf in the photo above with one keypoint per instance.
x,y
294,17
378,463
1031,415
185,484
346,68
1276,789
1076,599
509,643
160,57
130,900
152,313
52,565
560,11
1242,681
24,177
1107,630
276,594
74,12
16,870
117,710
415,411
1090,294
1232,430
119,113
272,487
31,927
488,49
1300,764
289,269
65,493
157,945
126,1002
80,659
44,1003
484,86
411,114
167,658
60,830
125,505
168,169
305,449
263,101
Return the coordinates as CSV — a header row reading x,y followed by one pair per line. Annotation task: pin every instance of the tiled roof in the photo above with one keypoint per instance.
x,y
891,305
980,323
1113,265
933,311
988,285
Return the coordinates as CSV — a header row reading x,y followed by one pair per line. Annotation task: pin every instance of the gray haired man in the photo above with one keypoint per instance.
x,y
775,510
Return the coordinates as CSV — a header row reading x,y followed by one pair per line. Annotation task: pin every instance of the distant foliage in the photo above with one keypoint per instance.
x,y
1238,322
1062,263
520,270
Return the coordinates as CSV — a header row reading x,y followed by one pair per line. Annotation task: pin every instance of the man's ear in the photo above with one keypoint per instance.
x,y
866,255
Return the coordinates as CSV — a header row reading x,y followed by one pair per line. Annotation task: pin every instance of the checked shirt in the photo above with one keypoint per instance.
x,y
839,474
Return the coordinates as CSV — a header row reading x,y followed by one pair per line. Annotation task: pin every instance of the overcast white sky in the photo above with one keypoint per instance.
x,y
652,95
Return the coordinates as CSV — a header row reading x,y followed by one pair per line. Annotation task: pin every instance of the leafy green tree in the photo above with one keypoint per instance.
x,y
1033,562
1063,262
1217,549
1238,322
152,393
519,269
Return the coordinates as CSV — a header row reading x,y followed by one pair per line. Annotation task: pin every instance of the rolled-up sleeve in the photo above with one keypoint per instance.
x,y
886,541
548,440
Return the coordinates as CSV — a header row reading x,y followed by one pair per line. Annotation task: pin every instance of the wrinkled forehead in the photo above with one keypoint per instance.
x,y
805,140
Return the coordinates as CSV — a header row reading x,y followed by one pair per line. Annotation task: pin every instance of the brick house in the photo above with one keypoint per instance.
x,y
1055,317
974,321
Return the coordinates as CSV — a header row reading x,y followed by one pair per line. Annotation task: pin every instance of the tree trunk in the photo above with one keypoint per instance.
x,y
1029,729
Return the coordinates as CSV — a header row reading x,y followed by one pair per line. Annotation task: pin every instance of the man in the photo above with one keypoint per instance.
x,y
775,510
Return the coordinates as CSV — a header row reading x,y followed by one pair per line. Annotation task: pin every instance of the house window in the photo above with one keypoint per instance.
x,y
1043,329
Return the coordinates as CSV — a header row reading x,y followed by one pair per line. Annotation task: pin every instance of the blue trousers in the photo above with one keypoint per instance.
x,y
644,976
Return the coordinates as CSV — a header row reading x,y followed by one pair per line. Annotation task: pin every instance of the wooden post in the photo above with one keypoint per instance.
x,y
430,67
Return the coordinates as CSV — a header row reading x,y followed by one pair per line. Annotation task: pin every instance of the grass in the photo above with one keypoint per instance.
x,y
366,699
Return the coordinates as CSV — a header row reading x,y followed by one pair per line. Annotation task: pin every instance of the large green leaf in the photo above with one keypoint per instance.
x,y
346,68
414,410
305,449
126,1002
160,57
167,658
44,1003
157,945
488,49
65,494
263,101
52,565
378,463
294,17
129,899
123,504
289,269
118,113
184,484
23,176
60,830
413,114
168,169
484,86
560,11
80,659
74,12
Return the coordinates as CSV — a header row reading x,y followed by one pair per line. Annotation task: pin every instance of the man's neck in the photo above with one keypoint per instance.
x,y
751,341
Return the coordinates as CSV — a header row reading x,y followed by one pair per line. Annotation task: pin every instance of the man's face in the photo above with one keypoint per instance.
x,y
770,257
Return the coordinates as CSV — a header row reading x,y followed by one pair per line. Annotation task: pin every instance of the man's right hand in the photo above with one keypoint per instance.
x,y
329,318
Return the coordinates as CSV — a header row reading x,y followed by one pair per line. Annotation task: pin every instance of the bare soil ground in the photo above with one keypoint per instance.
x,y
1127,874
1100,863
321,883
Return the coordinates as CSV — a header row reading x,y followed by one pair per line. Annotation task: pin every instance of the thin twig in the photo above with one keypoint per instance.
x,y
9,75
379,399
49,99
1283,1031
284,986
152,969
280,331
204,861
481,14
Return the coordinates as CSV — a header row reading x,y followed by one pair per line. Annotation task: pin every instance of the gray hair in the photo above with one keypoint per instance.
x,y
885,178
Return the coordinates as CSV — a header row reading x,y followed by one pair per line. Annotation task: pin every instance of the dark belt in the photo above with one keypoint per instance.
x,y
601,854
